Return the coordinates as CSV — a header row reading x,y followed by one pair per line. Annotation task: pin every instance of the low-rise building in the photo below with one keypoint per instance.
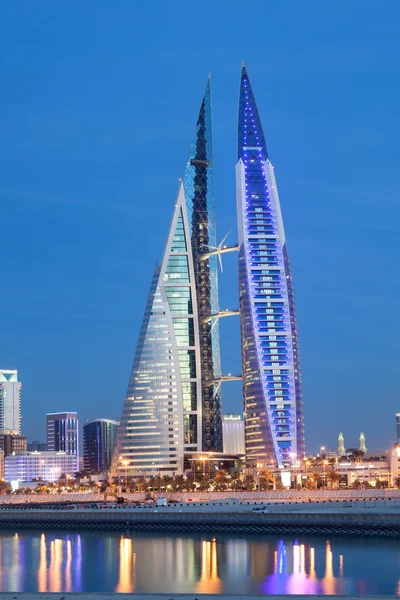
x,y
45,466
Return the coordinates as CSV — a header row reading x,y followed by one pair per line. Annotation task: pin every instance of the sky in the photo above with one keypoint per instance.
x,y
98,104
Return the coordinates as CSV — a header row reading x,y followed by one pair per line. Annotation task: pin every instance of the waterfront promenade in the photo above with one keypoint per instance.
x,y
376,518
320,495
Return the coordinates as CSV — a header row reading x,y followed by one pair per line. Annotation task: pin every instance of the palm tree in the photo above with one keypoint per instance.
x,y
316,478
221,478
397,482
179,482
249,481
333,477
267,479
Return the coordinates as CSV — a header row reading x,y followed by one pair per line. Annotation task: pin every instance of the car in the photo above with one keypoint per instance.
x,y
260,509
70,507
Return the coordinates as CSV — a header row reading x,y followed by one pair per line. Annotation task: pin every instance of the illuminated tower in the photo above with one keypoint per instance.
x,y
362,447
10,401
173,401
341,448
270,352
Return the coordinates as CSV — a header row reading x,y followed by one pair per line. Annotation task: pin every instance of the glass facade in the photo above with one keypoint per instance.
x,y
98,441
200,203
62,433
270,354
169,407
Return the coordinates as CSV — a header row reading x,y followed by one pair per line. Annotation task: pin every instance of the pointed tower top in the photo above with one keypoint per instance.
x,y
250,131
198,178
200,152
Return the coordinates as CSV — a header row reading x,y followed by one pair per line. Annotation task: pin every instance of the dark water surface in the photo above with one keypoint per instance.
x,y
173,563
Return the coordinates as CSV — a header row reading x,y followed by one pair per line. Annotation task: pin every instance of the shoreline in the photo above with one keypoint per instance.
x,y
371,524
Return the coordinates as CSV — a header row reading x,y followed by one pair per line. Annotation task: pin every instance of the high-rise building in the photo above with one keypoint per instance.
x,y
233,434
270,350
98,440
173,401
12,442
62,433
10,400
398,427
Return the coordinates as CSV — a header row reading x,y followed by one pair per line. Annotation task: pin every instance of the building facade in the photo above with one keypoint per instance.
x,y
233,434
2,465
271,373
12,442
62,433
10,400
36,446
46,466
98,440
173,401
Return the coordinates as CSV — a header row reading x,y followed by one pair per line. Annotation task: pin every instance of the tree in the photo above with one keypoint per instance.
x,y
221,479
333,477
180,482
267,480
249,481
381,484
316,480
397,482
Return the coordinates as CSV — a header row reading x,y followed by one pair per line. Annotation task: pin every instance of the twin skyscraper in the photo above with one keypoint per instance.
x,y
173,405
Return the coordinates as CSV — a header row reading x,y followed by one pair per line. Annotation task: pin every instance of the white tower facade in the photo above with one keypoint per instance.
x,y
10,401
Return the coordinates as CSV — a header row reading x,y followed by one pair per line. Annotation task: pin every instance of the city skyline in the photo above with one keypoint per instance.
x,y
98,137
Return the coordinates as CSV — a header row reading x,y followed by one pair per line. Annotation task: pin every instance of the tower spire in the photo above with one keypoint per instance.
x,y
250,131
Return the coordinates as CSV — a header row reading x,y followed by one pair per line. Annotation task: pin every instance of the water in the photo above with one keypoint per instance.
x,y
111,562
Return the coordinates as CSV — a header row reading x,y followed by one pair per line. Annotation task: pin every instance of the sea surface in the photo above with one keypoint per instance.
x,y
58,561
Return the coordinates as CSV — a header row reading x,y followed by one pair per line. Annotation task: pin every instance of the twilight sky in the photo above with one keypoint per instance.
x,y
98,104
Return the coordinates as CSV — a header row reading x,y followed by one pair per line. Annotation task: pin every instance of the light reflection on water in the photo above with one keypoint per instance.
x,y
95,561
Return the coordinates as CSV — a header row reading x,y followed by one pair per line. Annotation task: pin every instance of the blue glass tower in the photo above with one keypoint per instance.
x,y
173,404
271,373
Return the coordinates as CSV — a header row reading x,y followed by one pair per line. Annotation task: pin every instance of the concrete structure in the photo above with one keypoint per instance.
x,y
273,404
341,446
48,466
10,400
98,437
233,434
173,401
12,442
36,446
62,434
